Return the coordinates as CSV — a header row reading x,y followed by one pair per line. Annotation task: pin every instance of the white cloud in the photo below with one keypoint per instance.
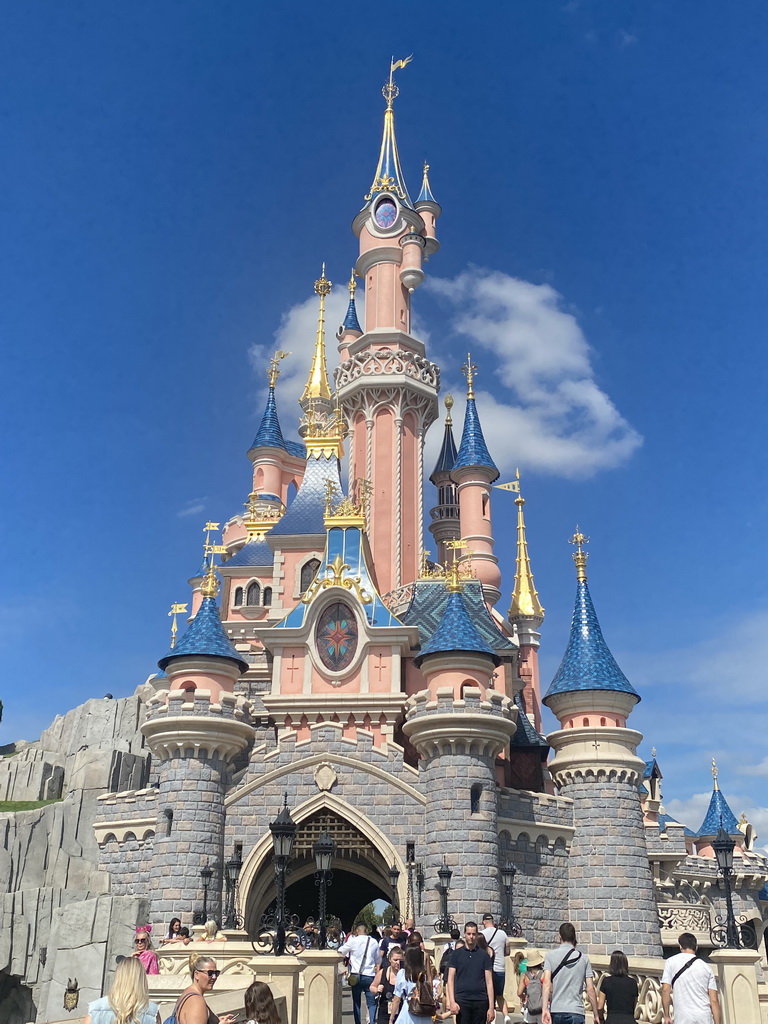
x,y
192,508
296,334
561,421
756,769
626,39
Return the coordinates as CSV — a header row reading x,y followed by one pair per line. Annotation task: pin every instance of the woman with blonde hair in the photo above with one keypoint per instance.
x,y
128,1000
191,1007
212,933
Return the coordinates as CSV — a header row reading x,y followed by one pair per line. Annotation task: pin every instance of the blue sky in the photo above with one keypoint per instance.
x,y
173,175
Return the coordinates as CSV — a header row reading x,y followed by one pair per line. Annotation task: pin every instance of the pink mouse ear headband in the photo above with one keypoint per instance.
x,y
144,928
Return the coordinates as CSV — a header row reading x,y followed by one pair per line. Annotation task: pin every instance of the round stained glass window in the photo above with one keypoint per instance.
x,y
386,213
336,636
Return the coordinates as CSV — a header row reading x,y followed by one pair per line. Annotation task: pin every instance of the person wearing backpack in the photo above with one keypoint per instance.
x,y
414,1000
566,972
691,983
530,991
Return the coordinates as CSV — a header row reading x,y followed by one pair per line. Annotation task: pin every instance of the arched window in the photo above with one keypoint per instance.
x,y
253,594
474,798
238,598
308,573
267,599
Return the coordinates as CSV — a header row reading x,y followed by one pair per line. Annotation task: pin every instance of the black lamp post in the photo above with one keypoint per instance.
x,y
508,873
283,830
420,881
724,846
206,874
231,877
394,874
324,850
444,923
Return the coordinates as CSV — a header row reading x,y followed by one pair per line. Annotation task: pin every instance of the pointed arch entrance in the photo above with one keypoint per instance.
x,y
360,867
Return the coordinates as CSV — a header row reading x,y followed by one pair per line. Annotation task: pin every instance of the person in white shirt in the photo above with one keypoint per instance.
x,y
363,953
690,984
497,946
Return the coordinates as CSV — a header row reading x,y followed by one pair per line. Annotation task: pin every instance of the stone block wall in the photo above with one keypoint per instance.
x,y
608,861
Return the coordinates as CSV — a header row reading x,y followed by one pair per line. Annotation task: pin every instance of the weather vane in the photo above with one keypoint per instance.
x,y
580,556
176,609
274,366
469,370
390,91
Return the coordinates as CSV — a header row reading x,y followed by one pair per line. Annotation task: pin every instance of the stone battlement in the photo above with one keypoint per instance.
x,y
471,702
198,702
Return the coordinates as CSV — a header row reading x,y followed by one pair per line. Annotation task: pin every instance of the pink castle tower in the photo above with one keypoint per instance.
x,y
386,386
474,471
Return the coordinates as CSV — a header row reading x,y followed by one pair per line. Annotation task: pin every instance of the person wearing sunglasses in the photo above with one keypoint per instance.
x,y
144,953
191,1007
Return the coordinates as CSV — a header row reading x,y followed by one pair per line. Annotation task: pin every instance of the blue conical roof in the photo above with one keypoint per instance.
x,y
446,460
351,323
473,451
253,552
269,434
456,632
719,815
588,663
204,636
425,196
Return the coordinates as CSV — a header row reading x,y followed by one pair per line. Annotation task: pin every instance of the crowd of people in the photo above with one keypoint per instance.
x,y
402,983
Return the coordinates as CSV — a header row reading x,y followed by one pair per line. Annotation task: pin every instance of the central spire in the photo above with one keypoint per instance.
x,y
317,385
525,599
389,175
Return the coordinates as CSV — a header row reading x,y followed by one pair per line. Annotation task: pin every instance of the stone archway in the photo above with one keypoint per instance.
x,y
360,869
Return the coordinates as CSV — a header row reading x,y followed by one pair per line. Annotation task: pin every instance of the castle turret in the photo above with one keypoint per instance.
x,y
719,816
526,614
316,398
597,766
429,209
350,329
445,515
474,471
194,730
386,386
459,725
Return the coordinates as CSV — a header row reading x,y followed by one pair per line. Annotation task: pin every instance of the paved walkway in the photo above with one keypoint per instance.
x,y
347,1017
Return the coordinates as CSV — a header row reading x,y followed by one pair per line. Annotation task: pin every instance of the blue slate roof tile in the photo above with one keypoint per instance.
x,y
269,434
428,604
719,815
306,513
204,636
253,552
447,457
588,663
473,451
425,196
296,448
525,733
763,894
351,323
456,632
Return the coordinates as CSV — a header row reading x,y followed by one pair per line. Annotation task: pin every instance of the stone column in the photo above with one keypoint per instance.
x,y
321,999
193,740
611,894
458,741
736,974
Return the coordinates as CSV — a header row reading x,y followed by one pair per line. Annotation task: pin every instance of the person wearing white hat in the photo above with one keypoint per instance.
x,y
530,991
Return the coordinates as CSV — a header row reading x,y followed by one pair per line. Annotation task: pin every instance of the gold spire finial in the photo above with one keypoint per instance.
x,y
469,370
273,372
390,91
653,753
317,385
580,556
210,585
176,609
453,583
426,173
715,773
448,402
352,286
525,599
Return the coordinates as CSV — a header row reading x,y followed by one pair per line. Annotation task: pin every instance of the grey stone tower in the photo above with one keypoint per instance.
x,y
194,730
459,725
611,895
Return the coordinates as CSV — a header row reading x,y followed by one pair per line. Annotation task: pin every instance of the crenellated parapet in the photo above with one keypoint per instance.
x,y
472,724
192,723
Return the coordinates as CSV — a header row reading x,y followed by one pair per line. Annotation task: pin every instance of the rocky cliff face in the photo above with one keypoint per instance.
x,y
55,908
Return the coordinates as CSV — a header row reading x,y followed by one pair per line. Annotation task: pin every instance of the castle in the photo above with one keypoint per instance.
x,y
329,666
